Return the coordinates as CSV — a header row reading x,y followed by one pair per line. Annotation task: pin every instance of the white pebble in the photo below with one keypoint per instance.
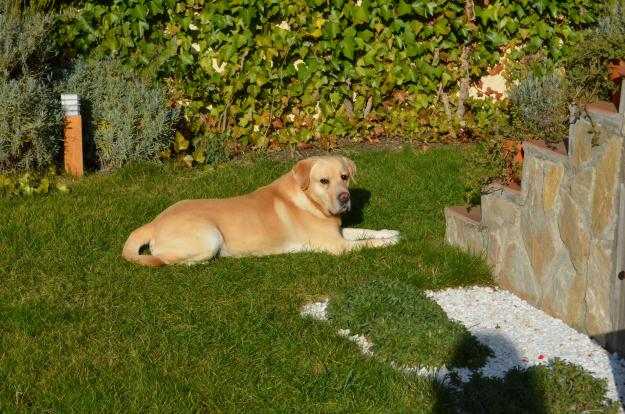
x,y
315,310
518,334
521,335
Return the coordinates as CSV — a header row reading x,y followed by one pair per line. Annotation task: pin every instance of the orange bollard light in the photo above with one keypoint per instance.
x,y
72,134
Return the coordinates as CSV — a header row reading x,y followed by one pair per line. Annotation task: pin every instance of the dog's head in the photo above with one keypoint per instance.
x,y
325,180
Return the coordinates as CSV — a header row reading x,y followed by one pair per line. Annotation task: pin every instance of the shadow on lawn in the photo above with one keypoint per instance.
x,y
518,392
91,161
360,198
615,342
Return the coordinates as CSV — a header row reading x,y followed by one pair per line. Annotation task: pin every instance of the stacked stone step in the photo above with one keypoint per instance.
x,y
467,228
553,241
464,229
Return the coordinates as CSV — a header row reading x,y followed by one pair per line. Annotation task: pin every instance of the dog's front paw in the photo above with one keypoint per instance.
x,y
388,234
389,241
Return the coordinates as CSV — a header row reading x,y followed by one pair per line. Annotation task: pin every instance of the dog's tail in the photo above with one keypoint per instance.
x,y
136,240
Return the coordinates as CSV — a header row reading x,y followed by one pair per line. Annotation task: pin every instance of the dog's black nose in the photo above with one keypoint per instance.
x,y
344,197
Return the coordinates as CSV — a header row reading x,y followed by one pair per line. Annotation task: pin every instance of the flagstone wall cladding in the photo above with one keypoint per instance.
x,y
554,243
467,239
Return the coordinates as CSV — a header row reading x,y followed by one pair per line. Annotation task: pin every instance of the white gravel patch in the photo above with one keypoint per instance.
x,y
441,374
521,335
315,310
518,334
363,343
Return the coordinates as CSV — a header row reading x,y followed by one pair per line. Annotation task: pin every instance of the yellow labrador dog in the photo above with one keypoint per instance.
x,y
300,211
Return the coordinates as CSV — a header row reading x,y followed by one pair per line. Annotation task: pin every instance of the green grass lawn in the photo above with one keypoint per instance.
x,y
82,330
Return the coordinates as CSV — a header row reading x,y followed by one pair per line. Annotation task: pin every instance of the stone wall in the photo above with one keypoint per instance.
x,y
553,243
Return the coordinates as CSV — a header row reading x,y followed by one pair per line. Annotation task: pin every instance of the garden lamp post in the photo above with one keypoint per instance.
x,y
72,134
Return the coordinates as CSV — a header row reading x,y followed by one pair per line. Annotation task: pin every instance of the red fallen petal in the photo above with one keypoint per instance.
x,y
541,356
617,71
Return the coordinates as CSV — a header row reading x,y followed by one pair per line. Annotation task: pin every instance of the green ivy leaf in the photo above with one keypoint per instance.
x,y
442,27
415,50
186,58
156,6
495,39
512,26
554,10
544,30
139,11
430,7
180,143
348,44
403,9
360,14
331,29
247,14
365,35
486,15
416,26
534,44
540,5
198,156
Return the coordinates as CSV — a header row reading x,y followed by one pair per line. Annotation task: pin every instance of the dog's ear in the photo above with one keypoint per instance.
x,y
351,168
301,172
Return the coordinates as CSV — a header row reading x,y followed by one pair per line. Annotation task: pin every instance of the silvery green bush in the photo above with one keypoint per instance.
x,y
30,125
25,39
30,114
539,107
127,116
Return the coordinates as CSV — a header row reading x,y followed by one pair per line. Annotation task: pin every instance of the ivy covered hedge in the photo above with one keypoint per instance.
x,y
267,72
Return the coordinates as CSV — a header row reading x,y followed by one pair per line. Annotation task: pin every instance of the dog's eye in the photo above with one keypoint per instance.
x,y
344,177
324,181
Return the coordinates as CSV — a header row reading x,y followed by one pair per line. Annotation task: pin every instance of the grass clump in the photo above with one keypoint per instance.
x,y
558,387
405,326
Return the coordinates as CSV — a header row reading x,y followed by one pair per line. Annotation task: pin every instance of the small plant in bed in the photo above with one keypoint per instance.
x,y
537,110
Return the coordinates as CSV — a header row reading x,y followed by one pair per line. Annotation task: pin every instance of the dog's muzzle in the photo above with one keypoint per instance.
x,y
344,201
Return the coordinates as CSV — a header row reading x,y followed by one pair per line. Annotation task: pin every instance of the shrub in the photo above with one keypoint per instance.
x,y
539,107
25,39
126,116
30,125
30,115
490,161
587,66
266,73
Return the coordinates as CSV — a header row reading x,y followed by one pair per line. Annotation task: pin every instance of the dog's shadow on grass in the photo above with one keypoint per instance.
x,y
360,198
